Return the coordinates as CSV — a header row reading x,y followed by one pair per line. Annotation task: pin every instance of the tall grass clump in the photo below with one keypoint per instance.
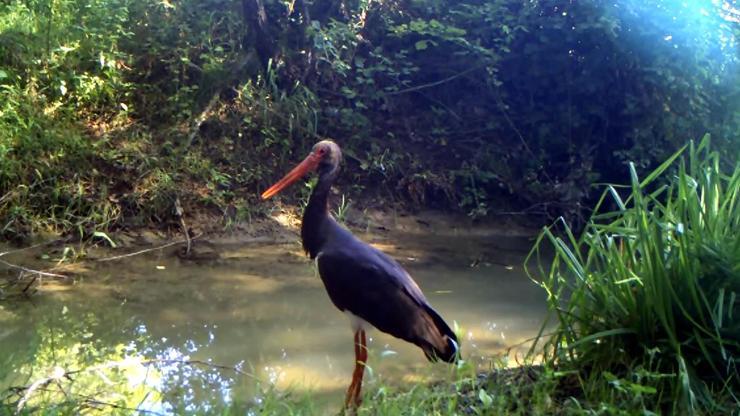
x,y
645,301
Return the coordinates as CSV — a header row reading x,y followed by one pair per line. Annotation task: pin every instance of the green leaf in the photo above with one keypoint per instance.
x,y
421,45
640,389
348,92
485,398
105,237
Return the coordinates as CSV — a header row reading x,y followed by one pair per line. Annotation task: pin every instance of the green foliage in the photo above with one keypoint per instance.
x,y
67,53
74,158
184,53
50,190
451,104
646,299
55,74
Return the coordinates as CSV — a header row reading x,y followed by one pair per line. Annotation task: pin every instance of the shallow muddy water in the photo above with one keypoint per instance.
x,y
167,324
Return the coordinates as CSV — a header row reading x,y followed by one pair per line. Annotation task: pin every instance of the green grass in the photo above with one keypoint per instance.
x,y
645,301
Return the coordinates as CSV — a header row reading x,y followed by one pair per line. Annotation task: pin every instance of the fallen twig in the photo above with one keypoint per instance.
x,y
147,250
28,286
32,271
42,382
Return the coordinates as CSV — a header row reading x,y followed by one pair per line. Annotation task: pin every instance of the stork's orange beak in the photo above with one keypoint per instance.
x,y
309,164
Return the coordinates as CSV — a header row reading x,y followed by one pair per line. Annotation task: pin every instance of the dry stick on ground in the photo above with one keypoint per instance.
x,y
32,271
147,250
28,286
38,273
44,273
22,269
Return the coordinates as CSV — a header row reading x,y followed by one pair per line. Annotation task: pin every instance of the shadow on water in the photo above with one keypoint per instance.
x,y
167,323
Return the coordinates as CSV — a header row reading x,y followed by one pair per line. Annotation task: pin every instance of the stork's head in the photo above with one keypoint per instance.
x,y
324,158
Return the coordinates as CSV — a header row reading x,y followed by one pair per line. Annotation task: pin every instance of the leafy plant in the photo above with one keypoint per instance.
x,y
340,212
654,285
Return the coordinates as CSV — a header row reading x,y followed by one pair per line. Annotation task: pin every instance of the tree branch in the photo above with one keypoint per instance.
x,y
435,83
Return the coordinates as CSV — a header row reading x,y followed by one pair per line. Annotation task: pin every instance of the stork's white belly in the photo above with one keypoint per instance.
x,y
356,322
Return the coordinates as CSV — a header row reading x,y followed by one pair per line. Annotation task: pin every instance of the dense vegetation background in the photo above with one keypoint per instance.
x,y
113,110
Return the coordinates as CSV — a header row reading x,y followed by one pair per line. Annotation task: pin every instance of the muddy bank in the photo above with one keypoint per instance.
x,y
387,229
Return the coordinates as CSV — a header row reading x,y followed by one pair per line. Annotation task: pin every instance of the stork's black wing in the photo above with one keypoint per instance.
x,y
374,287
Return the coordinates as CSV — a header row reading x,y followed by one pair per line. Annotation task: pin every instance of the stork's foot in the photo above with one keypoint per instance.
x,y
354,394
352,391
349,399
350,410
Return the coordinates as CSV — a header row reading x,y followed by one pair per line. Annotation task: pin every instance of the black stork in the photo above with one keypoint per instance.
x,y
365,283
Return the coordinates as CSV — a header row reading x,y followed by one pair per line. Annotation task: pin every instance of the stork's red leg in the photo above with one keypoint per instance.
x,y
362,361
353,392
357,374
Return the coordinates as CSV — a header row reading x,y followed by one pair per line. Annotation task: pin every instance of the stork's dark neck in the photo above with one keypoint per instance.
x,y
316,216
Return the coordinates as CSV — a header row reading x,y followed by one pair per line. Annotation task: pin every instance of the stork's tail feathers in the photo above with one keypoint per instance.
x,y
442,344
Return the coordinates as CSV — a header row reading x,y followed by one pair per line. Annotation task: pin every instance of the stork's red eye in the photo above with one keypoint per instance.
x,y
321,151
